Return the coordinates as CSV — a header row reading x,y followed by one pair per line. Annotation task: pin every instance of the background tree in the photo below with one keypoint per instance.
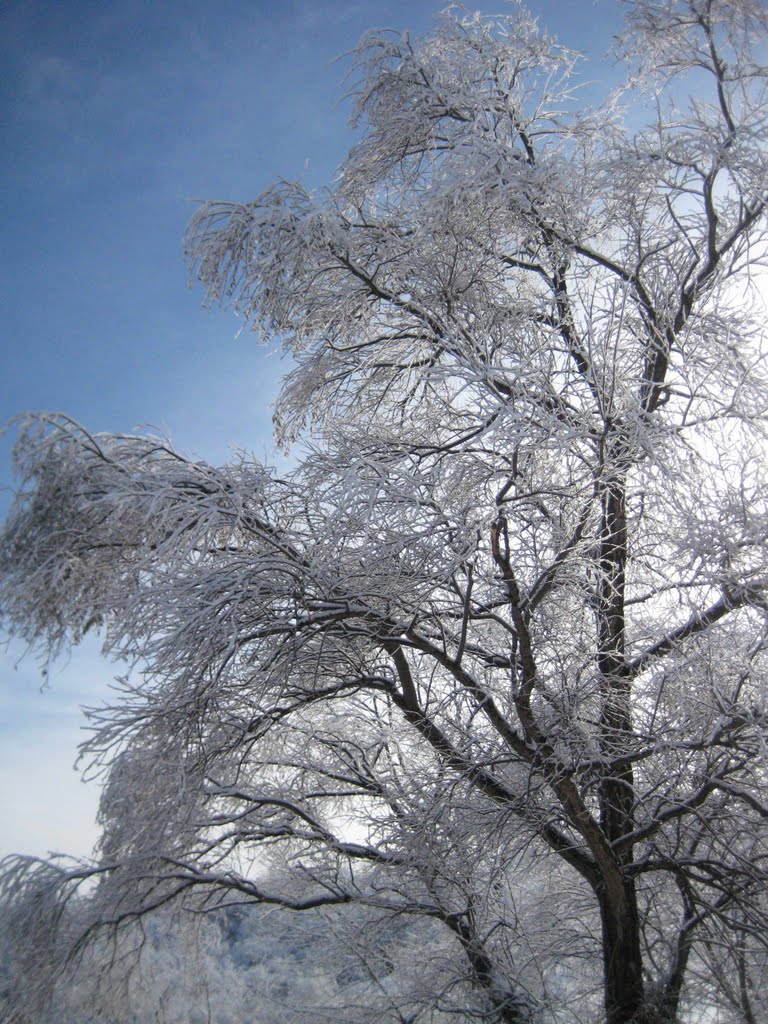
x,y
493,655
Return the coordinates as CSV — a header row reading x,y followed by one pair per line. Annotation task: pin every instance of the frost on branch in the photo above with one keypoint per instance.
x,y
491,660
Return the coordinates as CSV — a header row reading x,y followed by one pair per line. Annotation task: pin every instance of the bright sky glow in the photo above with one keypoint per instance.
x,y
116,117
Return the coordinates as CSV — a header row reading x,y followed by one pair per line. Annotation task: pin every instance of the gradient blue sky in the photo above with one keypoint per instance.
x,y
115,117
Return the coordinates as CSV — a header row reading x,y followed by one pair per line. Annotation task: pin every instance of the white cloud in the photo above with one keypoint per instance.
x,y
44,805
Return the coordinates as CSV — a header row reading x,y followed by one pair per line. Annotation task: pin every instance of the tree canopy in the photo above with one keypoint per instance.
x,y
491,657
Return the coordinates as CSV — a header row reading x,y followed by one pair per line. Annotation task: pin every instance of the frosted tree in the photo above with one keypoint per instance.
x,y
492,657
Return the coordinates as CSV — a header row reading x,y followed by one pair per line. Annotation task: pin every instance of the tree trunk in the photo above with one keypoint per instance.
x,y
622,957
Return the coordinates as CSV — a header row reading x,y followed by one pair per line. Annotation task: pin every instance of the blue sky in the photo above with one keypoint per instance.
x,y
116,116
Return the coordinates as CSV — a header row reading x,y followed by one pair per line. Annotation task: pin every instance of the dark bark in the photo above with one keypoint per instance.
x,y
622,957
507,1006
